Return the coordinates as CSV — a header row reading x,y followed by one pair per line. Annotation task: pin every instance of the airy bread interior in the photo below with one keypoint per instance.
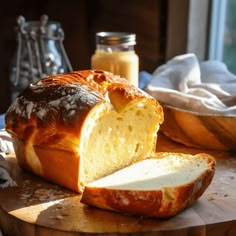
x,y
155,173
112,140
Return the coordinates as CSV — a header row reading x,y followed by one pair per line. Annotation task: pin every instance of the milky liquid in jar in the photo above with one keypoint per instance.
x,y
115,53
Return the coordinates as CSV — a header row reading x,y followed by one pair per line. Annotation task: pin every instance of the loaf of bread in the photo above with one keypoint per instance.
x,y
75,128
160,186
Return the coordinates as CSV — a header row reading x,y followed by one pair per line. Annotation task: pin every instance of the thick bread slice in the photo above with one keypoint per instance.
x,y
160,186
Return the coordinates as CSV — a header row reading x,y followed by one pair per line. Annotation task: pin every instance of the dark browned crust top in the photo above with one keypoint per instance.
x,y
65,100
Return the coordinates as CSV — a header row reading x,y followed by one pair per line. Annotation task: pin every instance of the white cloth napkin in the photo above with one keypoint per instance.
x,y
6,147
205,87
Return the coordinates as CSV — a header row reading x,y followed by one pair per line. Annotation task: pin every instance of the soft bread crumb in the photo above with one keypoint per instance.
x,y
129,136
152,174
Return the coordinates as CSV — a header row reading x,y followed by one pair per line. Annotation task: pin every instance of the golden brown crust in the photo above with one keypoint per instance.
x,y
160,203
74,95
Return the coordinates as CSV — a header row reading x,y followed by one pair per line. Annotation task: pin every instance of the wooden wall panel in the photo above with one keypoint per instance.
x,y
140,17
81,19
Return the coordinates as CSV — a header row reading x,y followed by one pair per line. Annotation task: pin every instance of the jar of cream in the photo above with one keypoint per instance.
x,y
115,53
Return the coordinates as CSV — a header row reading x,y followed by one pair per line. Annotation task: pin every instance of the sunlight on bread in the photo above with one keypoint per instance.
x,y
152,174
95,133
116,139
160,186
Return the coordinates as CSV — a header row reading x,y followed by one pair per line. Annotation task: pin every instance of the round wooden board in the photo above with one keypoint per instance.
x,y
38,207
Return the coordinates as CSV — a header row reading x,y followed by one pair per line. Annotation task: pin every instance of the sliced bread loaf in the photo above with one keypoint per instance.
x,y
77,127
160,186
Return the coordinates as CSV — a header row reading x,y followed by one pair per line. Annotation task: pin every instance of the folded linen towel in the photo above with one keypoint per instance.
x,y
205,87
6,147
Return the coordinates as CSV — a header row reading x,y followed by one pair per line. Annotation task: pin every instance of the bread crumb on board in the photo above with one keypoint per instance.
x,y
39,193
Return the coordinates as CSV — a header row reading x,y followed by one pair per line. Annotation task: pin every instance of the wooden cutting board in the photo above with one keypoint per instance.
x,y
37,207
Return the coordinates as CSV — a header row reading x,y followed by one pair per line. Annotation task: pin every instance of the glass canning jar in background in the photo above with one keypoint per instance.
x,y
115,53
40,52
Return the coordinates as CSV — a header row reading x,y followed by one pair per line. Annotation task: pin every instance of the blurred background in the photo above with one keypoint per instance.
x,y
164,28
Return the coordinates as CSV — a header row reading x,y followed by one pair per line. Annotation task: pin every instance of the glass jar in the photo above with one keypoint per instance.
x,y
40,52
115,53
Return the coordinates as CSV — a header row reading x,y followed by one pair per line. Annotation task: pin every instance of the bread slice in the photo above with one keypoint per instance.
x,y
75,128
160,186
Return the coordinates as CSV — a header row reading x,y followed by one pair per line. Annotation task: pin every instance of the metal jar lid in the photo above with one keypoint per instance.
x,y
115,38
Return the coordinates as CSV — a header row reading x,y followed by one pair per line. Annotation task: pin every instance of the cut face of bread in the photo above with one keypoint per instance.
x,y
112,139
160,186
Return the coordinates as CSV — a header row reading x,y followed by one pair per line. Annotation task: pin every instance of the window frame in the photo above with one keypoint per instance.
x,y
187,28
216,39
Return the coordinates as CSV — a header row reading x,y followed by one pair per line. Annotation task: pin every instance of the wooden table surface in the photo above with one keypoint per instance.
x,y
37,207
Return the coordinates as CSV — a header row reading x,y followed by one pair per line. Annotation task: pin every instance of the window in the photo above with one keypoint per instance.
x,y
222,44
